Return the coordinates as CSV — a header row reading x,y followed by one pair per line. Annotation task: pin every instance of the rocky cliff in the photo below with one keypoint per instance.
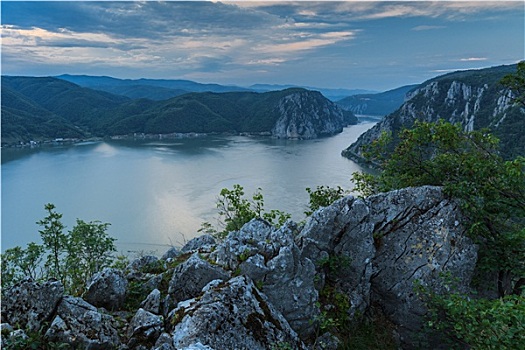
x,y
475,99
264,287
307,115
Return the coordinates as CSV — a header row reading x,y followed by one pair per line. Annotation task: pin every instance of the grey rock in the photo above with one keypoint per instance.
x,y
16,336
191,276
290,288
107,289
307,115
144,327
270,257
164,346
5,327
152,303
164,342
342,232
202,242
197,346
144,263
30,304
327,341
172,253
232,315
80,325
420,238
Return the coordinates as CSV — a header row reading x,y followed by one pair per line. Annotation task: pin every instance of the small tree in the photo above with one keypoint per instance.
x,y
323,196
55,242
235,211
72,258
89,250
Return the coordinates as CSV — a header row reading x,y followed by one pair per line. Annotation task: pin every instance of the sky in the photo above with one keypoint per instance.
x,y
350,44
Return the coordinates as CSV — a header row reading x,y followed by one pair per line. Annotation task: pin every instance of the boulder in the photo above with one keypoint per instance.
x,y
144,328
204,242
107,289
191,276
230,315
152,303
172,253
80,325
145,263
29,304
419,238
164,342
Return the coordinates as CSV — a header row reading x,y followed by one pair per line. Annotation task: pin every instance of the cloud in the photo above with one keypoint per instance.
x,y
253,40
427,27
473,59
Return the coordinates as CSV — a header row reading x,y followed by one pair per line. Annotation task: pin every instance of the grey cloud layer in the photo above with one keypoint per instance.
x,y
239,40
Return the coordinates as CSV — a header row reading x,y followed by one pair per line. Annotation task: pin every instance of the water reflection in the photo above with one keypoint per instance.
x,y
158,192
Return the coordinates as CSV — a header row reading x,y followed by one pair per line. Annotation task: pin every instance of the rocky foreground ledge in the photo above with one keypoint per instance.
x,y
260,288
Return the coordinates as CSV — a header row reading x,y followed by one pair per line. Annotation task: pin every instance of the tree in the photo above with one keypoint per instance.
x,y
89,250
55,241
72,257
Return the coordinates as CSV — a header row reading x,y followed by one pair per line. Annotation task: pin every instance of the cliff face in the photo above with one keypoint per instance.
x,y
307,115
475,99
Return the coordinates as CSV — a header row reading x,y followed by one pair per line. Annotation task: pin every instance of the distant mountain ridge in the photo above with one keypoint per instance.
x,y
379,104
155,89
162,89
473,98
30,105
332,94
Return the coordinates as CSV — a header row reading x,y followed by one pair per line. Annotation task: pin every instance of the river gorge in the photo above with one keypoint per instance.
x,y
156,193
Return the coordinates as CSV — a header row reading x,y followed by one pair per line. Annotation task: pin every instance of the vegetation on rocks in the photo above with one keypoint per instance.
x,y
71,257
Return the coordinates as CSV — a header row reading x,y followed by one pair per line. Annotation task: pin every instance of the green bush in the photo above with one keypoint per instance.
x,y
71,257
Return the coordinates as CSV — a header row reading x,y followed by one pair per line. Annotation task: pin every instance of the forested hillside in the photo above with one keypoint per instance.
x,y
47,108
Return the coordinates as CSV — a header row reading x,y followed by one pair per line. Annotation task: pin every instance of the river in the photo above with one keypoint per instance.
x,y
156,193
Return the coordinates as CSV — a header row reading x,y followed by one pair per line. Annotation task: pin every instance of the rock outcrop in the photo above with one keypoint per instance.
x,y
231,315
264,287
419,238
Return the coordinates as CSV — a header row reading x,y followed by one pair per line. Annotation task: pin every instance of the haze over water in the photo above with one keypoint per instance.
x,y
157,193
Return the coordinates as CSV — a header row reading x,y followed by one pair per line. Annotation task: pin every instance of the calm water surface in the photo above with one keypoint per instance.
x,y
157,193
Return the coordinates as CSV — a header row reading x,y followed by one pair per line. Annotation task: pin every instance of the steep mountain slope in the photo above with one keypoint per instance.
x,y
473,98
379,104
